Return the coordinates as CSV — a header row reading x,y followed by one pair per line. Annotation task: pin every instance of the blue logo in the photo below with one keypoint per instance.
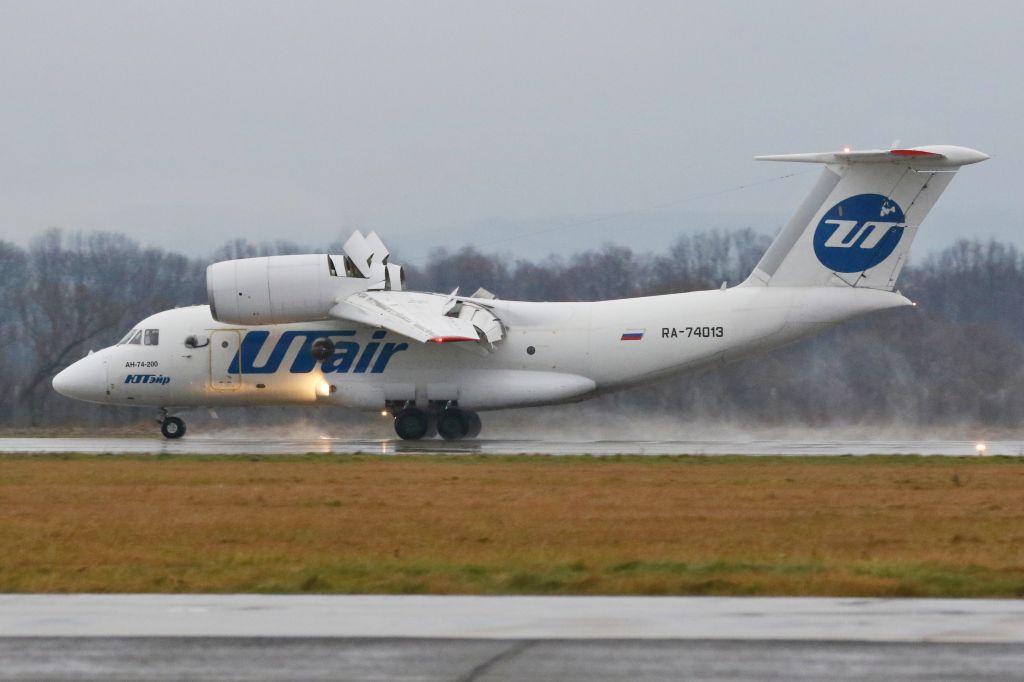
x,y
859,233
146,379
259,354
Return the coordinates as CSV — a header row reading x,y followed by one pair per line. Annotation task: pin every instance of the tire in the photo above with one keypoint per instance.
x,y
172,427
411,424
453,424
474,424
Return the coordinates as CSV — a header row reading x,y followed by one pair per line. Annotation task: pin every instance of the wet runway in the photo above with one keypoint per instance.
x,y
233,445
261,637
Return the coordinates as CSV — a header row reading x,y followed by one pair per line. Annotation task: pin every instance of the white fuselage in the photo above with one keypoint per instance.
x,y
552,352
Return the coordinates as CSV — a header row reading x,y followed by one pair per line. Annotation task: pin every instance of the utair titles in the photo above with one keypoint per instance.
x,y
349,356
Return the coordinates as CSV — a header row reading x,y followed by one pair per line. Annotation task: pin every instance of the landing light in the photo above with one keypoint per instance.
x,y
383,413
323,389
980,448
846,150
450,339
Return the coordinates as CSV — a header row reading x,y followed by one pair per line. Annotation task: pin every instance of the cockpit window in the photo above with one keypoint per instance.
x,y
152,337
136,338
127,337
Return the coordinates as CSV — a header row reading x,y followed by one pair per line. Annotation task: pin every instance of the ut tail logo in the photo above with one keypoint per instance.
x,y
859,233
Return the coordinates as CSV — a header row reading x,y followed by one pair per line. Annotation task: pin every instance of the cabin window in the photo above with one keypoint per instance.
x,y
152,337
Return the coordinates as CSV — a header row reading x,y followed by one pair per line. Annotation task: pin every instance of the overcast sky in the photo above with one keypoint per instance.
x,y
445,123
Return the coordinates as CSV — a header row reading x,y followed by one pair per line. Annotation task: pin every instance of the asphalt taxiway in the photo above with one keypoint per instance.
x,y
266,637
229,445
512,617
397,660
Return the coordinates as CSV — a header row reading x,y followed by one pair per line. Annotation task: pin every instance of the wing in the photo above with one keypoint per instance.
x,y
423,317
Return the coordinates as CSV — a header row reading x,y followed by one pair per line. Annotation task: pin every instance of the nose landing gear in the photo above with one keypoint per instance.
x,y
171,427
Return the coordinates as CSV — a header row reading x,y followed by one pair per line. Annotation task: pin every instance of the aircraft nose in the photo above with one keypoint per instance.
x,y
83,380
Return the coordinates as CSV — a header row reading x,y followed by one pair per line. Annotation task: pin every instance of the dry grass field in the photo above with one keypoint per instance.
x,y
888,526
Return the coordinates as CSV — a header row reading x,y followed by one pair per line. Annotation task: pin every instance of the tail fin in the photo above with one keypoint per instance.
x,y
856,226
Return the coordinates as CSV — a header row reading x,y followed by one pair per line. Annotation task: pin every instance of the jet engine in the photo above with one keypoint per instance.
x,y
281,289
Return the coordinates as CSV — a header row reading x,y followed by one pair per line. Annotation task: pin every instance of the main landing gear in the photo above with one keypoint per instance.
x,y
451,423
412,423
171,427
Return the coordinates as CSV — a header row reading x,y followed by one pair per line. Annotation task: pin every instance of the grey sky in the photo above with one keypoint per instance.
x,y
186,124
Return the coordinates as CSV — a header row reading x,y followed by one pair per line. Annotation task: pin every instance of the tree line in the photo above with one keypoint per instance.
x,y
956,357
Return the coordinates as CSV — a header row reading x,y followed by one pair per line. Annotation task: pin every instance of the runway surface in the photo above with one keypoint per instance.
x,y
204,445
265,637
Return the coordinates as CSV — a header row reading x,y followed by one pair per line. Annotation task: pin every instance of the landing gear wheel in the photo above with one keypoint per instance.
x,y
453,424
474,424
411,424
172,427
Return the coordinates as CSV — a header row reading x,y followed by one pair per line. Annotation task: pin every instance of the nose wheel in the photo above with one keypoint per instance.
x,y
172,427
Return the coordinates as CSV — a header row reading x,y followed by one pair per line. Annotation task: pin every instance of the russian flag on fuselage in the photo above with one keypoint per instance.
x,y
633,335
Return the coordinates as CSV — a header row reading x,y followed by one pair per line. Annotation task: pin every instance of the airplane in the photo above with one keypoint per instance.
x,y
343,330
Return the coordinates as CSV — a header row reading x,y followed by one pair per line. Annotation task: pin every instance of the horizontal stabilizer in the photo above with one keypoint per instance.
x,y
935,156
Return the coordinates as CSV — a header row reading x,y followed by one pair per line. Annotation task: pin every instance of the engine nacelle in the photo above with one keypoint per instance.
x,y
280,289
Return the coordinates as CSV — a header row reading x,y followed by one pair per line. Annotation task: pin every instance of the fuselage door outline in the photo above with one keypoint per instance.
x,y
224,345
